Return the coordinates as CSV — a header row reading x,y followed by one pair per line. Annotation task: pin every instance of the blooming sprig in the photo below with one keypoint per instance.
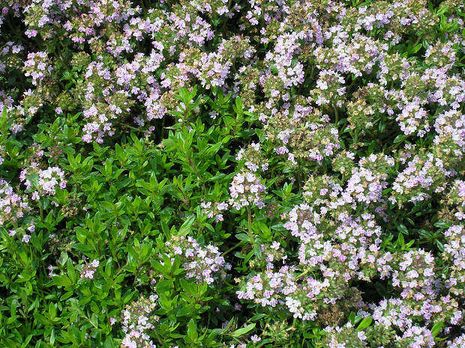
x,y
89,269
43,182
454,254
203,263
414,274
137,319
246,190
37,66
13,206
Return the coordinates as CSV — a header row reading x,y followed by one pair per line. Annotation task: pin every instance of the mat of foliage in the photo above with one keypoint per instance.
x,y
253,173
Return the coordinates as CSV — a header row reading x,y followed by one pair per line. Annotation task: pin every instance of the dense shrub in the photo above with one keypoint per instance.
x,y
260,173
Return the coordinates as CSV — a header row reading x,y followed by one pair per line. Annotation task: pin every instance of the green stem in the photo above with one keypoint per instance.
x,y
303,274
249,226
336,113
196,171
232,248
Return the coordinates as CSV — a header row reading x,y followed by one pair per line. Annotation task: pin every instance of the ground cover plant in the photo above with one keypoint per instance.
x,y
257,173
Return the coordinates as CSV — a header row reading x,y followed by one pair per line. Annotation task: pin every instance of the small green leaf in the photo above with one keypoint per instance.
x,y
192,330
437,328
243,330
402,229
185,228
364,323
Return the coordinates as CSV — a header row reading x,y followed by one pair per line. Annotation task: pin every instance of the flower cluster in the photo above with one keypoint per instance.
x,y
413,118
303,133
214,210
252,158
13,207
458,342
43,182
89,269
454,254
455,200
205,264
246,190
450,128
414,274
138,318
37,66
423,176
